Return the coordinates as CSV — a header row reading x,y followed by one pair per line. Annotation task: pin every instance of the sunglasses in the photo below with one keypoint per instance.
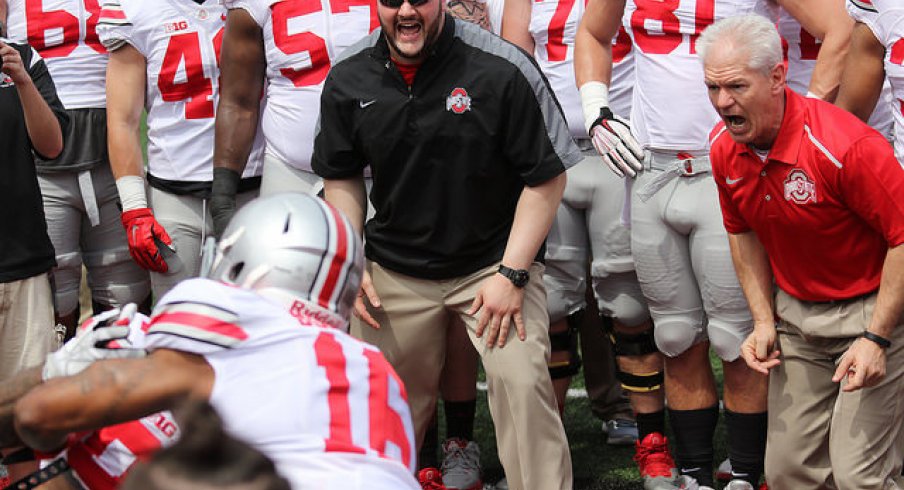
x,y
394,4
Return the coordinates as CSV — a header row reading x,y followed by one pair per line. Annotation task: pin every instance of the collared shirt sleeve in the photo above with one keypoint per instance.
x,y
872,183
536,138
335,156
40,76
731,216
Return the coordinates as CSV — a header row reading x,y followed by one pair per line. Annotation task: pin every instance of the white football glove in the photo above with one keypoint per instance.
x,y
612,138
103,336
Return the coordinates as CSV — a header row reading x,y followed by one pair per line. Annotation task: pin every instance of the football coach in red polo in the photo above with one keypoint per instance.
x,y
813,201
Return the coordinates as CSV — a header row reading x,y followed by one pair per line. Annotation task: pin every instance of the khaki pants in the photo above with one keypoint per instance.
x,y
26,324
820,437
413,320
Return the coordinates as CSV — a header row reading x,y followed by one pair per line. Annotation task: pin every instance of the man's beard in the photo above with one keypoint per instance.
x,y
430,38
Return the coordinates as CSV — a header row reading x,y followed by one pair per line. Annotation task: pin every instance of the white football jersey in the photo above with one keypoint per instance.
x,y
553,25
180,40
327,408
886,20
671,110
301,38
64,32
802,48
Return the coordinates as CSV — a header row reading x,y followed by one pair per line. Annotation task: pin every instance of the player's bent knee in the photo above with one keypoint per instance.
x,y
674,337
115,279
636,343
726,339
566,341
67,276
628,310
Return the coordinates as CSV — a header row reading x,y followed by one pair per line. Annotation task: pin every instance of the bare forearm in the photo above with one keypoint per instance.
x,y
890,301
348,196
43,127
593,41
516,24
864,74
826,78
754,273
124,147
11,391
533,216
242,81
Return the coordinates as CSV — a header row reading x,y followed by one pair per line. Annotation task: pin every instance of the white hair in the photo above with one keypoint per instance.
x,y
752,33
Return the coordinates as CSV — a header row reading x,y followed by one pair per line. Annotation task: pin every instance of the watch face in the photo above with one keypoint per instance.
x,y
521,278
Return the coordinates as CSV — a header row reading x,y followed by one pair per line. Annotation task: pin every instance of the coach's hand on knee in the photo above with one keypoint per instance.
x,y
368,291
759,350
863,364
499,303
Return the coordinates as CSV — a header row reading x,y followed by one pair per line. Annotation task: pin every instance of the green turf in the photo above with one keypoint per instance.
x,y
596,465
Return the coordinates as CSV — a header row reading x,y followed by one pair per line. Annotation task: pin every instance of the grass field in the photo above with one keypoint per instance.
x,y
596,465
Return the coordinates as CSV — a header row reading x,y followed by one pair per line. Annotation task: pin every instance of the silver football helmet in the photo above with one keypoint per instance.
x,y
295,246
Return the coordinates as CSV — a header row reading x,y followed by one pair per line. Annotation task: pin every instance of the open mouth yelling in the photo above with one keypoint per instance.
x,y
735,123
409,31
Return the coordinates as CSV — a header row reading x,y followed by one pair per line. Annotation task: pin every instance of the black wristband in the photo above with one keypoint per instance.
x,y
225,182
882,341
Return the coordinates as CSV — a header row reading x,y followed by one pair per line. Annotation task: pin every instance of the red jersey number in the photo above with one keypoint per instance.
x,y
185,49
385,424
657,30
897,57
40,22
315,45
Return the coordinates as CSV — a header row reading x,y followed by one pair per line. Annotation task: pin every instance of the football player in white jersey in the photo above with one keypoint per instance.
x,y
164,59
81,204
679,244
263,340
589,228
284,50
876,54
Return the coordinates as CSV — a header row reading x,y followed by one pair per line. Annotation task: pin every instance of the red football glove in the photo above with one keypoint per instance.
x,y
146,236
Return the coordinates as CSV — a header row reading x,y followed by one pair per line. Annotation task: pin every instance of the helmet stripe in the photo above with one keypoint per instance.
x,y
337,261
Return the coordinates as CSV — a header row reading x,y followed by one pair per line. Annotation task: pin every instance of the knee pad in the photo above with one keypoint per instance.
x,y
726,338
115,280
674,336
635,344
567,341
619,296
67,276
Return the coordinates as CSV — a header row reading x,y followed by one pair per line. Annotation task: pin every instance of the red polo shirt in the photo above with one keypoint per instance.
x,y
827,203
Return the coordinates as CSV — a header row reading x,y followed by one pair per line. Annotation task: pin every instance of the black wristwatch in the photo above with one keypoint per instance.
x,y
519,277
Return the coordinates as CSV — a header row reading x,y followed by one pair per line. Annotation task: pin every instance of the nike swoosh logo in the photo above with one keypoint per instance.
x,y
365,104
730,181
689,470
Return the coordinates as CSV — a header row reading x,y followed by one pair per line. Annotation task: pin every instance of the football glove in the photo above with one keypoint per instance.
x,y
104,336
146,236
612,138
222,198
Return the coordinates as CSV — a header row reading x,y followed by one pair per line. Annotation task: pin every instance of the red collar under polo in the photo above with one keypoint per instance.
x,y
826,204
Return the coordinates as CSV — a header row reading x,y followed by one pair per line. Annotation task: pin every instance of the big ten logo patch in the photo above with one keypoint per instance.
x,y
175,26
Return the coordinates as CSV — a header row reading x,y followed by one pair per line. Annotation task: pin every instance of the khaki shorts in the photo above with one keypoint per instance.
x,y
26,324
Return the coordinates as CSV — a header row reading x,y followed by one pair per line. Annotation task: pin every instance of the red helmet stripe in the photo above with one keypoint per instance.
x,y
337,261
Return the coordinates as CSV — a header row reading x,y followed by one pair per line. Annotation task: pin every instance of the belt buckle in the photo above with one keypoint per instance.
x,y
688,160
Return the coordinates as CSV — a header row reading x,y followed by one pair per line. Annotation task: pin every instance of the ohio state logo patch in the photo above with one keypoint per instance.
x,y
799,187
458,101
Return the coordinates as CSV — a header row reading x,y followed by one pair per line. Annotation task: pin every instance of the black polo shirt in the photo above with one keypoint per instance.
x,y
25,248
449,155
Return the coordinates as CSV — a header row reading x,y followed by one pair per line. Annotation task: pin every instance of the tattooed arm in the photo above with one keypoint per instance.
x,y
10,391
473,11
110,392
